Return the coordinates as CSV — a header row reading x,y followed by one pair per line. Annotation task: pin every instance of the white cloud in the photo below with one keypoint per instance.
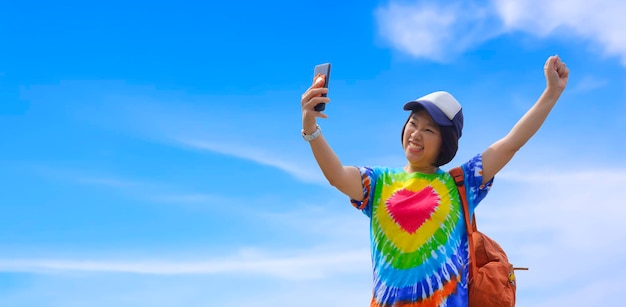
x,y
435,30
300,170
304,265
601,22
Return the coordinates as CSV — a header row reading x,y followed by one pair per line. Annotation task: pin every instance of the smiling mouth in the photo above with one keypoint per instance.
x,y
414,147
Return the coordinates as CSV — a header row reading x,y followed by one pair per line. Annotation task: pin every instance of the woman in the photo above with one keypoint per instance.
x,y
418,236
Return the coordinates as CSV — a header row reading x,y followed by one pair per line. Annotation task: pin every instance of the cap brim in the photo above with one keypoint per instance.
x,y
435,113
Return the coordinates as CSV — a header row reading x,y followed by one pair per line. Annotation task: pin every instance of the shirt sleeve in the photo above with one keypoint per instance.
x,y
368,181
475,190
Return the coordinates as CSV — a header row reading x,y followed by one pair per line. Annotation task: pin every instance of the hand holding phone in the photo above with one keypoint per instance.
x,y
321,71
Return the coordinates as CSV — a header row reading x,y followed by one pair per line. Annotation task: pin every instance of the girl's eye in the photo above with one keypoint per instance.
x,y
429,130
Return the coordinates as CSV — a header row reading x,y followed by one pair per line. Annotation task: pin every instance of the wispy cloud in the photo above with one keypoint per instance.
x,y
338,223
144,189
301,170
110,182
437,30
232,290
190,198
300,266
194,126
587,84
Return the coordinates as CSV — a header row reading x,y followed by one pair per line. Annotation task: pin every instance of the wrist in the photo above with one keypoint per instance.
x,y
552,92
313,134
309,128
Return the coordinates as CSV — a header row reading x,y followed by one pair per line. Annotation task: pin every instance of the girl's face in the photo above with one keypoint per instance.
x,y
421,142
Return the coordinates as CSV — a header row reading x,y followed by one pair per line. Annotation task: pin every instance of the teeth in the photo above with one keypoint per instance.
x,y
414,146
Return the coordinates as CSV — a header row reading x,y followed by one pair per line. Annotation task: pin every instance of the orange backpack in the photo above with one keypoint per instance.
x,y
491,277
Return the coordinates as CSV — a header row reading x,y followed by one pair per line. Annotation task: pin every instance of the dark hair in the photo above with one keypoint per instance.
x,y
449,145
449,142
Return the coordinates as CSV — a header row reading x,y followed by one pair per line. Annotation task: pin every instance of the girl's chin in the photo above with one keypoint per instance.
x,y
411,155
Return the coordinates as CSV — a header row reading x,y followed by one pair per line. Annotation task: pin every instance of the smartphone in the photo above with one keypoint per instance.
x,y
321,71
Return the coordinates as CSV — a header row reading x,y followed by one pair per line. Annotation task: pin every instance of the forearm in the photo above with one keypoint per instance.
x,y
501,152
328,161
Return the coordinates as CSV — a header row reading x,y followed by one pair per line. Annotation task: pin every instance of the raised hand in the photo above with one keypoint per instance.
x,y
310,99
556,73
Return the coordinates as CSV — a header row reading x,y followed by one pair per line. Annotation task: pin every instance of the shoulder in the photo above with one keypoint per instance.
x,y
474,168
473,171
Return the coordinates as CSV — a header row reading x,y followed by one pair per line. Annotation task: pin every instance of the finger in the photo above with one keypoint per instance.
x,y
315,114
314,92
319,81
553,62
316,84
549,63
310,104
311,112
561,68
314,88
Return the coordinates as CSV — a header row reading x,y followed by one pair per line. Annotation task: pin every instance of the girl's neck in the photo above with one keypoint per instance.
x,y
425,170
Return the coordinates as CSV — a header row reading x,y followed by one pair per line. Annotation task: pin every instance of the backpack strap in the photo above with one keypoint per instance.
x,y
459,177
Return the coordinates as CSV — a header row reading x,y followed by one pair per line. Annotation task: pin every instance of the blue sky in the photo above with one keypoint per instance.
x,y
150,152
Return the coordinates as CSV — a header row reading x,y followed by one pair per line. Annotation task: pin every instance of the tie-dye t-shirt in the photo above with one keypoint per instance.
x,y
418,235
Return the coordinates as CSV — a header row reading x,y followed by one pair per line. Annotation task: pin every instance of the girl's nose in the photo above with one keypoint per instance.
x,y
416,134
